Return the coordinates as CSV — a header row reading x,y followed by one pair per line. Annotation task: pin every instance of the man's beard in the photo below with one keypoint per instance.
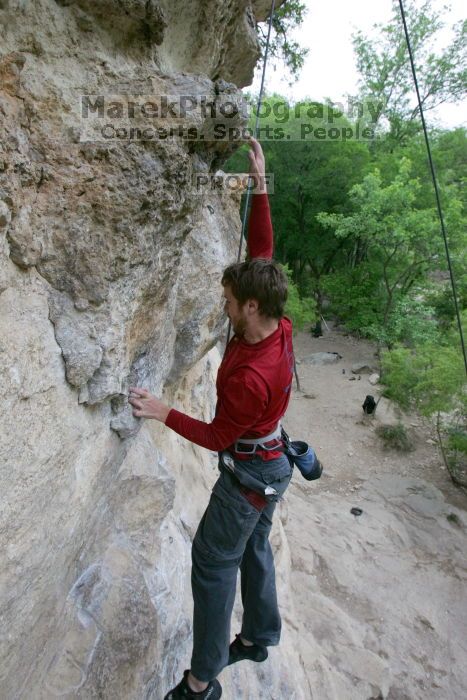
x,y
239,327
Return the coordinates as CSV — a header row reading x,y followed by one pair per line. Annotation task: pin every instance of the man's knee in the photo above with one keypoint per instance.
x,y
205,559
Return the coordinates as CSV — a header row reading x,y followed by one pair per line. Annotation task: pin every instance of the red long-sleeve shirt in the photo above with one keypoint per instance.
x,y
255,379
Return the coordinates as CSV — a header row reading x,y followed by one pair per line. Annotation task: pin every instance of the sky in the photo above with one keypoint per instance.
x,y
330,69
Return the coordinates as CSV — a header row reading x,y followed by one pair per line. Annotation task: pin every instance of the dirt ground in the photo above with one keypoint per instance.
x,y
329,410
375,605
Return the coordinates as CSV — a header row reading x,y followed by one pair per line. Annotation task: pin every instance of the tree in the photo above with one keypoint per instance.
x,y
309,176
282,47
386,77
395,244
449,150
431,379
301,310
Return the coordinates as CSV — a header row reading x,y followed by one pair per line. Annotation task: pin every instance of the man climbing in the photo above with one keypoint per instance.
x,y
253,387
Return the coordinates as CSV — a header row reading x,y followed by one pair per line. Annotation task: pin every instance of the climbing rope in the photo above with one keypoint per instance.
x,y
435,183
250,179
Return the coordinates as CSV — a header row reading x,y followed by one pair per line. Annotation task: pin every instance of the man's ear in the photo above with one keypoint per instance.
x,y
252,306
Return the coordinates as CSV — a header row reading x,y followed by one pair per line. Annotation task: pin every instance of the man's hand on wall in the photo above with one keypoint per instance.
x,y
257,166
147,406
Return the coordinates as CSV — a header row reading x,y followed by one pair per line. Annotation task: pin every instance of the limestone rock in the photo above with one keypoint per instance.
x,y
142,20
370,640
374,378
11,66
110,265
321,358
362,368
5,215
262,8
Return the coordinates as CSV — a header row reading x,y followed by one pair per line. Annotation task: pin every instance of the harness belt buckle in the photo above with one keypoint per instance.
x,y
271,444
244,449
248,446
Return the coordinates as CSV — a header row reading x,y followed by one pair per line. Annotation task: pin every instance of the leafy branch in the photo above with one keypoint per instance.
x,y
282,47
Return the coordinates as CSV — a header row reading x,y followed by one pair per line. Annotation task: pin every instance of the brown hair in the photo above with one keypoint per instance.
x,y
262,280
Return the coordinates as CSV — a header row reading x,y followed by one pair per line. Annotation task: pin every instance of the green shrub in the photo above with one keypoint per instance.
x,y
456,452
394,437
430,379
457,440
354,298
357,298
301,310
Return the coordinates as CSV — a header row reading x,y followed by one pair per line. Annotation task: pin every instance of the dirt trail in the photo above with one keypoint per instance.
x,y
380,599
328,409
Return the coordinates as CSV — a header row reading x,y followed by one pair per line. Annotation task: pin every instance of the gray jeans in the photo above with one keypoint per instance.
x,y
233,533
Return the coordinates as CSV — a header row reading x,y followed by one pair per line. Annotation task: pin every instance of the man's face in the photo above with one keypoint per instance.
x,y
235,312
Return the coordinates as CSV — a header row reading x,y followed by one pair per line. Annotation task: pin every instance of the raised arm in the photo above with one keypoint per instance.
x,y
260,233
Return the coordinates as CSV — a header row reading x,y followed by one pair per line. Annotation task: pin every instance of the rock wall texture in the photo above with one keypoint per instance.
x,y
109,277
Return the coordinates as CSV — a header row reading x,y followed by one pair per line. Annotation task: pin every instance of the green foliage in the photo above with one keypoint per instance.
x,y
309,177
301,310
456,453
430,379
394,245
282,47
449,150
410,321
359,301
457,441
384,67
354,295
440,299
395,437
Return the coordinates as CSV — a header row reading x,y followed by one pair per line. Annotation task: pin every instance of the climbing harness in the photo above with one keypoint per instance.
x,y
435,182
268,442
249,479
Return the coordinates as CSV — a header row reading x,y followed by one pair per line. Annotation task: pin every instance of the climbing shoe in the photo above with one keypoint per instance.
x,y
183,690
238,651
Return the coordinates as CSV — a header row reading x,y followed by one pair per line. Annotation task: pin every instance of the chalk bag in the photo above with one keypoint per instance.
x,y
305,459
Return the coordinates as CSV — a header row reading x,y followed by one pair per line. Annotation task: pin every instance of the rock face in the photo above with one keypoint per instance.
x,y
322,358
109,277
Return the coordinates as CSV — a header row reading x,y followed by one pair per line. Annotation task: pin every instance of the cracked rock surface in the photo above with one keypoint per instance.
x,y
110,265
